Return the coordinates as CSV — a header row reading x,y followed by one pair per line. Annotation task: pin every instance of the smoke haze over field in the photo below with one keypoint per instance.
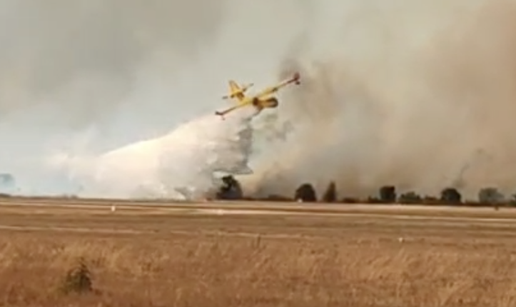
x,y
415,94
419,95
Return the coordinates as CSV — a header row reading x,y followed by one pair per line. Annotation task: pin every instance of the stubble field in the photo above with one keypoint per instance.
x,y
335,256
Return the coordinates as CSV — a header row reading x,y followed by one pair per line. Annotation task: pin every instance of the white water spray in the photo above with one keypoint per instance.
x,y
183,164
79,80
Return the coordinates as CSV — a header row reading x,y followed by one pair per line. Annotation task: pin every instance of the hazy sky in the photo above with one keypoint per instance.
x,y
397,91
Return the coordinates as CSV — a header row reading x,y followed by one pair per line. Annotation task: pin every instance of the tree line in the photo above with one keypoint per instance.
x,y
488,196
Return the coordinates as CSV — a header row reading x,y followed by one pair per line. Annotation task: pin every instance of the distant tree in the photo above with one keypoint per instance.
x,y
490,196
330,196
305,193
451,196
410,198
230,189
388,194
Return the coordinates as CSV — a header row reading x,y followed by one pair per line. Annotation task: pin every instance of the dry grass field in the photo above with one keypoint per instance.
x,y
140,257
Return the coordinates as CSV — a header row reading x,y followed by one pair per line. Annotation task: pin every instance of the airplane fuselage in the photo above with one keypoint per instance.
x,y
262,100
265,103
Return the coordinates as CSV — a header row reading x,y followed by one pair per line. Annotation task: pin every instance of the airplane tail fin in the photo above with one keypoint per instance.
x,y
237,91
234,90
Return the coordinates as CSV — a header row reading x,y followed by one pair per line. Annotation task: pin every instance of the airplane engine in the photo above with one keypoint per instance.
x,y
271,102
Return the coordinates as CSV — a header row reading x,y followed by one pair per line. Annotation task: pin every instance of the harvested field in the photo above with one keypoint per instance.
x,y
261,256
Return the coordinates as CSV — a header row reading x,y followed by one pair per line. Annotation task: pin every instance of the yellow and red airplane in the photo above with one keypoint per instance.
x,y
260,101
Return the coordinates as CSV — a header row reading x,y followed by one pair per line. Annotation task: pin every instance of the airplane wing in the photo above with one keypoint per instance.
x,y
273,89
241,104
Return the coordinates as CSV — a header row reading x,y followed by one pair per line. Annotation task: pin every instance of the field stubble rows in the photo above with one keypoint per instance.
x,y
168,258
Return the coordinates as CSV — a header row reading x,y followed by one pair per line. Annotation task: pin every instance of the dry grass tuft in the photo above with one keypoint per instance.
x,y
78,280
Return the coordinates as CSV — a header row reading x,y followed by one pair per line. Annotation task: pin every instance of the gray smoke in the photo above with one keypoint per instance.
x,y
87,77
420,95
396,92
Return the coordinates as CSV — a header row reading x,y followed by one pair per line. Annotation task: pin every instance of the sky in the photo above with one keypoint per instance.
x,y
416,94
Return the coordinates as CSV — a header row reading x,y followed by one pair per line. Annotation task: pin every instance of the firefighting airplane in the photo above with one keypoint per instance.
x,y
260,101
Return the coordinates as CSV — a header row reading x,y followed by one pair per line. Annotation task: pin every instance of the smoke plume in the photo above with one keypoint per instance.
x,y
419,95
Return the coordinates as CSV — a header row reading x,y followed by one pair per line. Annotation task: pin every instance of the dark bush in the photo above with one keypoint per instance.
x,y
511,201
350,200
410,198
275,197
248,198
388,194
471,203
451,196
490,196
373,200
330,196
305,193
230,189
78,279
430,200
